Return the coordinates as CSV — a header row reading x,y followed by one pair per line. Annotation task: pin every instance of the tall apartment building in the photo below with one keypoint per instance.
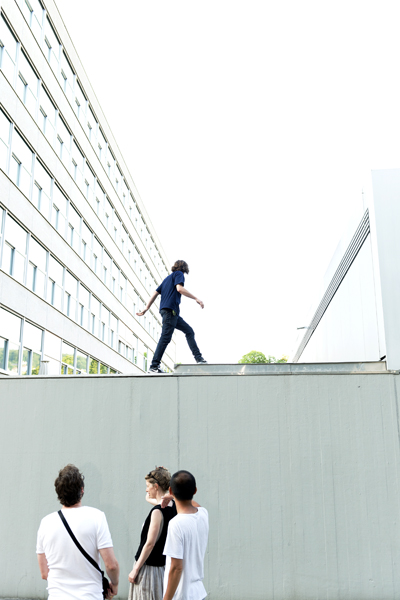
x,y
78,254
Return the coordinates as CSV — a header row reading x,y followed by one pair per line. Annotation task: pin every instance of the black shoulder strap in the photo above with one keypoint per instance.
x,y
85,554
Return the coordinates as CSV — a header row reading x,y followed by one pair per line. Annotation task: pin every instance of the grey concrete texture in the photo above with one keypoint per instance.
x,y
300,474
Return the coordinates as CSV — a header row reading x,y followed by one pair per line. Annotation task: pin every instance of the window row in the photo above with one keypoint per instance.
x,y
27,172
26,349
25,259
19,71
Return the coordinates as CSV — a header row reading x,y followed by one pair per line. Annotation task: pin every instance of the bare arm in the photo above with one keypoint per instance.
x,y
150,302
155,524
112,569
186,293
152,501
167,498
44,569
174,578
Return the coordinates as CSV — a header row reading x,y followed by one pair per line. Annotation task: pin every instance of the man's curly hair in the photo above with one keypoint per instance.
x,y
69,484
181,265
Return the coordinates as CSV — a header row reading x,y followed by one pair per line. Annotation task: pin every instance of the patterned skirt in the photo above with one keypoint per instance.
x,y
149,584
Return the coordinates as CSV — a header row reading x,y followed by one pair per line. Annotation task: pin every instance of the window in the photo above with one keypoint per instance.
x,y
80,103
103,369
97,257
64,142
86,244
105,321
67,77
83,309
32,349
4,140
95,308
81,362
91,125
8,50
21,165
27,84
36,267
52,352
74,231
93,366
77,165
51,46
42,190
14,252
59,212
47,115
70,295
113,331
55,283
68,359
10,332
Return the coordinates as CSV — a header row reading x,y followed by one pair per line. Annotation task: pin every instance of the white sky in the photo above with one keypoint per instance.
x,y
250,129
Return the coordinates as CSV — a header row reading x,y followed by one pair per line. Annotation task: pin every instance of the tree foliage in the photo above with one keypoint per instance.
x,y
255,357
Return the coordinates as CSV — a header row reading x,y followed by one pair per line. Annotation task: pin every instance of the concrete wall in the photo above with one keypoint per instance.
x,y
300,474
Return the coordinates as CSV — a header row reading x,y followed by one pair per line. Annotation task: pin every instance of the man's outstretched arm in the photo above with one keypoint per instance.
x,y
150,302
186,293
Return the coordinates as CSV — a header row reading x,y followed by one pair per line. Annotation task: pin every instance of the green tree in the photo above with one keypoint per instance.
x,y
255,357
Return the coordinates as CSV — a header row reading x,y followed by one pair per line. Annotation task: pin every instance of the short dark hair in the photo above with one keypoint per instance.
x,y
181,265
183,485
69,484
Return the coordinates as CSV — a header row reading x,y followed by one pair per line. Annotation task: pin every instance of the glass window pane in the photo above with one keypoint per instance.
x,y
68,353
2,353
93,366
26,359
13,357
10,326
103,369
52,345
32,337
81,361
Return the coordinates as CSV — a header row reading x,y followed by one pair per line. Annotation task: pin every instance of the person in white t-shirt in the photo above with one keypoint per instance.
x,y
186,542
69,574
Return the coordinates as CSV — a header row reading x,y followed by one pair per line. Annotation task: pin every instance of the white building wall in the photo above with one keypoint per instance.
x,y
348,331
100,210
386,215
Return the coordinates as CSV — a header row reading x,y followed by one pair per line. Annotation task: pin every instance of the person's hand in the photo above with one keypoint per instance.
x,y
200,302
133,575
140,314
112,591
165,500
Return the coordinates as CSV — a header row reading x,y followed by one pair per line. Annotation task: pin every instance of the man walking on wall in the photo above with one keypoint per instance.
x,y
171,290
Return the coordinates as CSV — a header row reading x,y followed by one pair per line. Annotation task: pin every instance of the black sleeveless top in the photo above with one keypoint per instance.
x,y
156,558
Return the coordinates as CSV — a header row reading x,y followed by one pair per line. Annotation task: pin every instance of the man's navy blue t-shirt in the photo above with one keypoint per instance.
x,y
170,297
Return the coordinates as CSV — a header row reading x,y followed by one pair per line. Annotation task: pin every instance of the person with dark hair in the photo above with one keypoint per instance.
x,y
186,542
68,573
171,290
147,575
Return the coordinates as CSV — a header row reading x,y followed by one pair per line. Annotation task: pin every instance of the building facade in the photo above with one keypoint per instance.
x,y
357,316
78,253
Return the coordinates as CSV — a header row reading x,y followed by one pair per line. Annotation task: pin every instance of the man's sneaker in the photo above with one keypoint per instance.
x,y
155,370
201,361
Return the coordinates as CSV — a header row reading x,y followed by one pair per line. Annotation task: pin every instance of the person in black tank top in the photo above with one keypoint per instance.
x,y
147,575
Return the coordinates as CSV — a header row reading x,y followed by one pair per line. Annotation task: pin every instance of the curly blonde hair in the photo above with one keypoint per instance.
x,y
159,475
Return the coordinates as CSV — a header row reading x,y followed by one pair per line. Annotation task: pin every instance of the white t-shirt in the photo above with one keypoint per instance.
x,y
71,576
187,539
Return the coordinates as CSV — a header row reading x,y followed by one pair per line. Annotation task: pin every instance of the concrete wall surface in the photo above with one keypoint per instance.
x,y
300,474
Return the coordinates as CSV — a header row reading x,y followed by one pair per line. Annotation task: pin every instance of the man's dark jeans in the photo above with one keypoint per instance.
x,y
171,322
